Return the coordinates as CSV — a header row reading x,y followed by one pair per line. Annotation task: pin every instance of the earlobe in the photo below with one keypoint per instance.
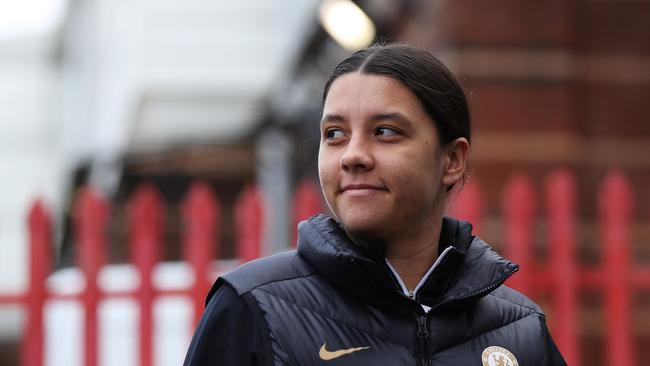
x,y
457,153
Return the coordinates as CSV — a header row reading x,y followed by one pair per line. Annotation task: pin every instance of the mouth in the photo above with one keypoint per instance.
x,y
361,187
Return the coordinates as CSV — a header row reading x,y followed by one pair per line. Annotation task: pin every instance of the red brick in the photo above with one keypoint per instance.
x,y
616,109
522,106
614,26
511,22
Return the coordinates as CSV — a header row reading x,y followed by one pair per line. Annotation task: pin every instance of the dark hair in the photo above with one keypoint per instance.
x,y
434,85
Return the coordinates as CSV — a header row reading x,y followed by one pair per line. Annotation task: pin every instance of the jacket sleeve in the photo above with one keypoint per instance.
x,y
229,333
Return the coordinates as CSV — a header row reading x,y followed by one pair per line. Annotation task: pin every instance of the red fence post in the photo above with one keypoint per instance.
x,y
248,223
468,205
518,209
561,218
40,242
307,201
615,200
201,216
145,236
91,216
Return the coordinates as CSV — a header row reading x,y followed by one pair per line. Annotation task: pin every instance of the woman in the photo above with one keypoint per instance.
x,y
387,280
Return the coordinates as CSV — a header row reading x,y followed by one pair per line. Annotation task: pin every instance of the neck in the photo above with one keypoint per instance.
x,y
412,257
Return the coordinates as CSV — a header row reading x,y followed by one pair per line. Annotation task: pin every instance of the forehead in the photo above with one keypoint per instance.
x,y
356,92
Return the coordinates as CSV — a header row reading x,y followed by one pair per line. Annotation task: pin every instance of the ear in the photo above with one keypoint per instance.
x,y
455,161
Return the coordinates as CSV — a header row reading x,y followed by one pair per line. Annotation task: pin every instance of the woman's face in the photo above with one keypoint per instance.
x,y
380,163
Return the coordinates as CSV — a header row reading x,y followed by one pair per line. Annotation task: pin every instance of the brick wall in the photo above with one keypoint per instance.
x,y
553,83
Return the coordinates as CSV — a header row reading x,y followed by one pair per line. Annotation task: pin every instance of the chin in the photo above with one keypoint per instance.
x,y
364,230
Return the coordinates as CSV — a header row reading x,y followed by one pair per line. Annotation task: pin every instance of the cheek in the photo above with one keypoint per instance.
x,y
419,173
326,172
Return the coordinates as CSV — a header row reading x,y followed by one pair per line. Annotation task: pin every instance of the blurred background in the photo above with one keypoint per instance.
x,y
113,94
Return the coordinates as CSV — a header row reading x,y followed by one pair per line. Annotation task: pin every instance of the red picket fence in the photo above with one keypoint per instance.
x,y
562,277
201,216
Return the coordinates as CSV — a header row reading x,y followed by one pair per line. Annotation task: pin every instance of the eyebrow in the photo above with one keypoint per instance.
x,y
332,118
396,116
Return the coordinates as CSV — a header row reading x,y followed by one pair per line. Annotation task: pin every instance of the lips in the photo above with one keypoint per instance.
x,y
361,187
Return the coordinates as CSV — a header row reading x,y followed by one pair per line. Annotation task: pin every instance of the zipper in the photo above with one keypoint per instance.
x,y
413,294
479,292
423,341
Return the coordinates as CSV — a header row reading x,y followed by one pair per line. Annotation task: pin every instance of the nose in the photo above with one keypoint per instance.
x,y
357,156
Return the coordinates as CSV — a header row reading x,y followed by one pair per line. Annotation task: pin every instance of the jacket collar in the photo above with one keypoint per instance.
x,y
470,270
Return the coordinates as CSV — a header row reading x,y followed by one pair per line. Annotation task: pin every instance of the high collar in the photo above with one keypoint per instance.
x,y
470,270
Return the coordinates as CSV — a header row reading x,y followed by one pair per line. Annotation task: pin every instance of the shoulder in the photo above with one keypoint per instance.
x,y
505,297
231,332
525,322
514,298
483,262
279,267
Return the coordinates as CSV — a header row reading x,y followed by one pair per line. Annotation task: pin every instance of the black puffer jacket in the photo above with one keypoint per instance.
x,y
338,303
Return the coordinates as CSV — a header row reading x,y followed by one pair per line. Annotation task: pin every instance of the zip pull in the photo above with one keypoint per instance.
x,y
423,341
412,295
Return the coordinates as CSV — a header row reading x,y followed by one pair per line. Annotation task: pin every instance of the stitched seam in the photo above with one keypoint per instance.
x,y
328,316
259,316
518,305
473,338
278,280
287,277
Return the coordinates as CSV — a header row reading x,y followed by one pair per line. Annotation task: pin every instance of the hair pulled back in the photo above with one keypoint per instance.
x,y
434,85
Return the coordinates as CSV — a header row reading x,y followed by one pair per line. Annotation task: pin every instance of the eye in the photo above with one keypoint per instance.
x,y
386,131
333,134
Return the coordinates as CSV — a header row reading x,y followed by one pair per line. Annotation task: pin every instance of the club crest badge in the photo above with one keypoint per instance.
x,y
498,356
